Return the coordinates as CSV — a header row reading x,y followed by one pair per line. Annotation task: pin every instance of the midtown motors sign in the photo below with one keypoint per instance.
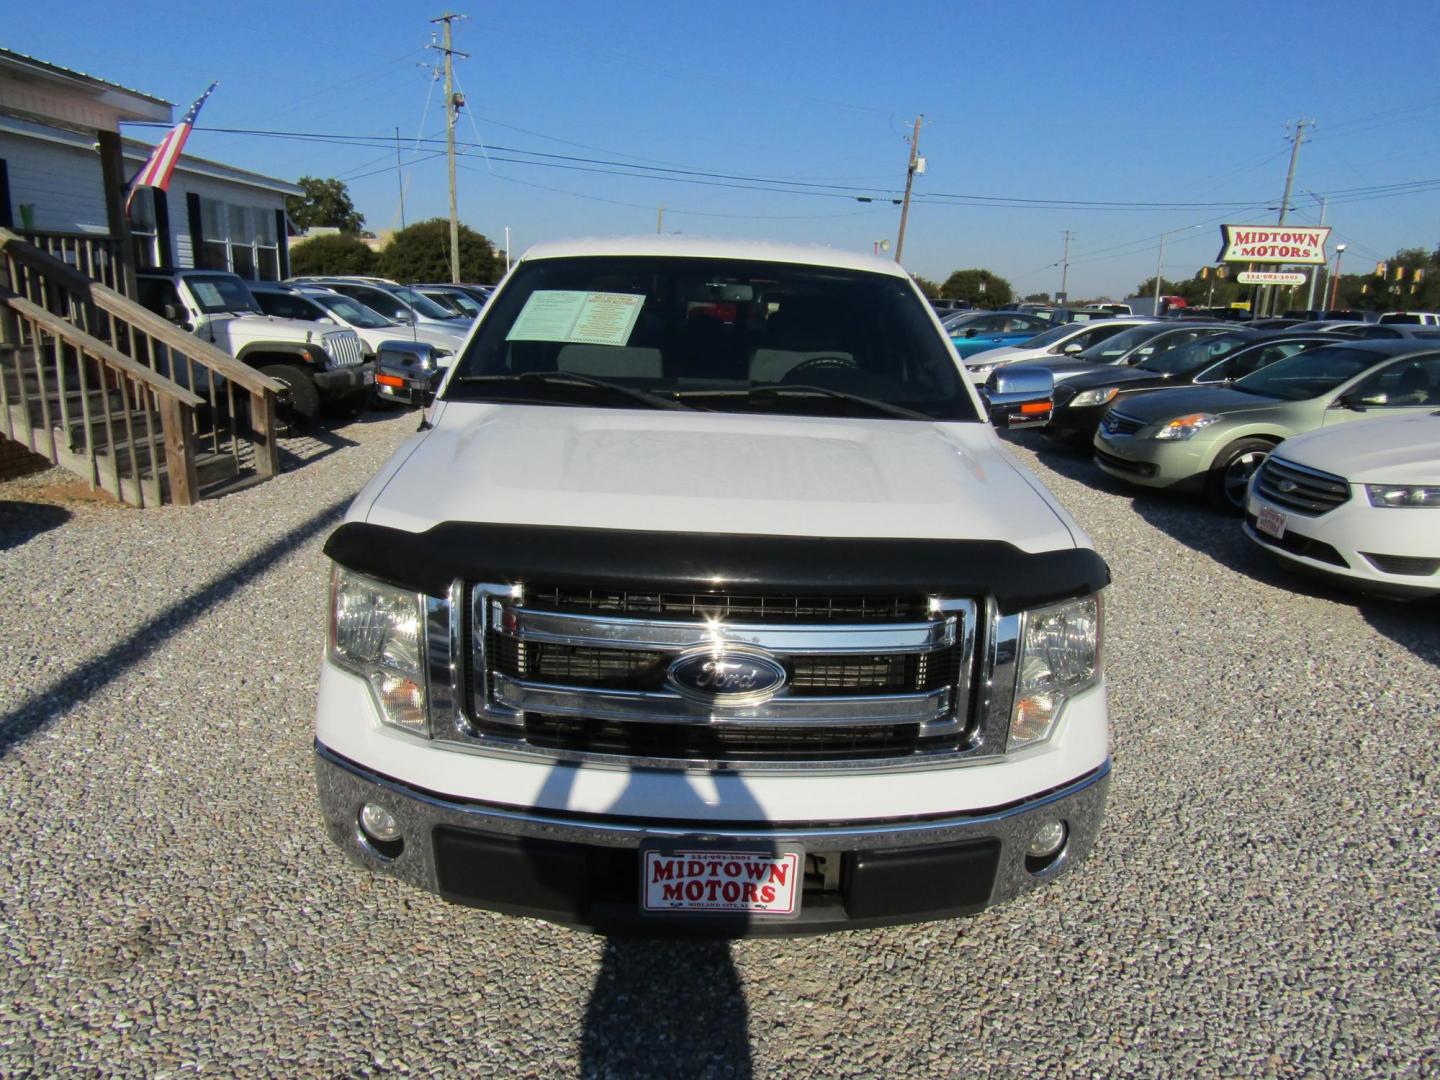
x,y
1274,244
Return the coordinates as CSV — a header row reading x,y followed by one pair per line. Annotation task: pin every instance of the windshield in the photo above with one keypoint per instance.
x,y
1117,345
1193,355
352,311
713,334
1309,374
462,302
424,305
1053,336
216,293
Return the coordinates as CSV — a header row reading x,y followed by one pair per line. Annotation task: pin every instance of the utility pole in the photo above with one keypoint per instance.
x,y
452,110
1315,270
659,220
1159,262
399,176
1064,271
909,180
1299,137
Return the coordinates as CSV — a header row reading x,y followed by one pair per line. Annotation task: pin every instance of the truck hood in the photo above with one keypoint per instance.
x,y
268,327
1394,450
713,472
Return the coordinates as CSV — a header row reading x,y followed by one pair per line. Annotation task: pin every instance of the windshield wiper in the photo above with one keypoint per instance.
x,y
570,378
760,393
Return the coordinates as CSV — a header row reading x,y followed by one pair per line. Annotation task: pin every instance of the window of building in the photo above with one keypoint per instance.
x,y
143,232
241,239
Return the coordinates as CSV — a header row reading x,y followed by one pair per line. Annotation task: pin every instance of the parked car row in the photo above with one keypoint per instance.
x,y
1260,423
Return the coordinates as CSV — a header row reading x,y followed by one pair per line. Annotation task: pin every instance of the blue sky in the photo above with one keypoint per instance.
x,y
1138,104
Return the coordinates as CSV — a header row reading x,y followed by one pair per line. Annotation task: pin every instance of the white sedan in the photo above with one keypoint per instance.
x,y
1067,339
1357,502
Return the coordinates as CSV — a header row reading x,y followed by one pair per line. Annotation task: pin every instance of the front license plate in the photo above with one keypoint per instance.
x,y
1270,522
718,882
369,377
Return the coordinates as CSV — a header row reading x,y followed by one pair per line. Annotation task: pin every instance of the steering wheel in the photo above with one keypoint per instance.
x,y
829,360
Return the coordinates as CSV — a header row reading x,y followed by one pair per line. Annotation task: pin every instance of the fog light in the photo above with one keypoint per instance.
x,y
379,824
1048,839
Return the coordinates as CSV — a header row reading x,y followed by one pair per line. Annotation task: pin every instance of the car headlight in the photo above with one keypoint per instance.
x,y
1185,427
1094,397
375,631
1401,495
1059,657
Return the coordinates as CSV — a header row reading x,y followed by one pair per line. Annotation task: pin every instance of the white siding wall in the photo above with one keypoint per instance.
x,y
63,183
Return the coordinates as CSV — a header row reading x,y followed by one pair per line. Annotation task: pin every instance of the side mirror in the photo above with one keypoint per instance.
x,y
172,312
971,332
1020,396
1072,348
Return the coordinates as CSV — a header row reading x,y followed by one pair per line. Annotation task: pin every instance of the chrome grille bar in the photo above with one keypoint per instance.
x,y
1304,490
619,633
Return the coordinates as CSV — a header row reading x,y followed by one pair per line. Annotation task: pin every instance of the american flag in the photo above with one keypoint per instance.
x,y
161,163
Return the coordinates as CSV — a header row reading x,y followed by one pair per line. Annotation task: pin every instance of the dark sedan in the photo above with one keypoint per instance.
x,y
1081,401
1129,347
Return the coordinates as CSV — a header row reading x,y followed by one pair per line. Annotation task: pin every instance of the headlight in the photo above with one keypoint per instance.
x,y
1094,397
1403,494
375,631
1059,656
1185,427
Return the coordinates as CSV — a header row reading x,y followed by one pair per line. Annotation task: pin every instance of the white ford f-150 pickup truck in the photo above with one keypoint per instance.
x,y
707,600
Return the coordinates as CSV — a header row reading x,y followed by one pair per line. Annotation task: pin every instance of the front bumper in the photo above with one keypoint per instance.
x,y
344,381
582,870
1181,465
1358,544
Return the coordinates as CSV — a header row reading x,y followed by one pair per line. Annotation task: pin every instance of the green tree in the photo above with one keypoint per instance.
x,y
1037,298
979,287
1167,288
325,202
928,287
421,252
338,253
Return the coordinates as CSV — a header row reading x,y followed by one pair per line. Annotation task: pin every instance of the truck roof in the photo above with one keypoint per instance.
x,y
696,247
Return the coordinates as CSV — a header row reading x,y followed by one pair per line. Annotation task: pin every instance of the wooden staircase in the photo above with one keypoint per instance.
x,y
115,394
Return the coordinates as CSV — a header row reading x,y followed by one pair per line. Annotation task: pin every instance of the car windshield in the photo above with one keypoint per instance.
x,y
1309,374
1052,336
1193,355
1117,345
463,302
724,335
423,304
352,311
216,293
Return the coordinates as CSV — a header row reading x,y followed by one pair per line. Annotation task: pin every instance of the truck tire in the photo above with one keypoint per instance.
x,y
1229,477
301,401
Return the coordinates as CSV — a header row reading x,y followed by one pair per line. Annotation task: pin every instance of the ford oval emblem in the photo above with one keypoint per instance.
x,y
722,676
1287,486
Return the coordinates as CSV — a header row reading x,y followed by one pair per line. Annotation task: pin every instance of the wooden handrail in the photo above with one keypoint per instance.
x,y
122,307
97,348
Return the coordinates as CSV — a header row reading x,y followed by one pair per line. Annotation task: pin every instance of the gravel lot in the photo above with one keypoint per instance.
x,y
1263,900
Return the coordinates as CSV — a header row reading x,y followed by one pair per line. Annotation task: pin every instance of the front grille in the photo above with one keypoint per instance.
x,y
343,348
1137,468
1296,544
1117,423
587,673
727,605
1411,565
1297,488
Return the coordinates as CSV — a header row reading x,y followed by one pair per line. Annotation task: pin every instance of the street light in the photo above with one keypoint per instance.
x,y
1160,259
1335,278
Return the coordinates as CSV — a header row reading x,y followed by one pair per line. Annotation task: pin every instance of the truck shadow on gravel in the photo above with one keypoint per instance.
x,y
39,710
664,1005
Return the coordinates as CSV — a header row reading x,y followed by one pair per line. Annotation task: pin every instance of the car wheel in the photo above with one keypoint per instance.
x,y
1230,475
299,404
352,406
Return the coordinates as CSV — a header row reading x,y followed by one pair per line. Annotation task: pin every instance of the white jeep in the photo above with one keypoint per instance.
x,y
707,600
316,362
